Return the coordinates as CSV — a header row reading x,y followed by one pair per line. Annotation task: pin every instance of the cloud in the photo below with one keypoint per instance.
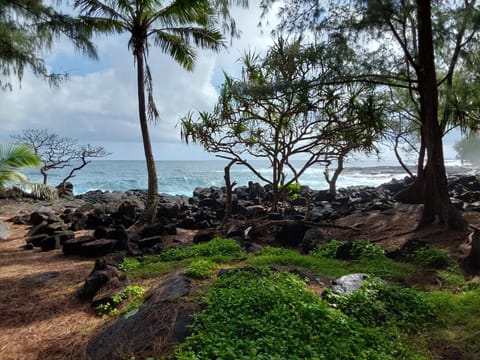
x,y
98,104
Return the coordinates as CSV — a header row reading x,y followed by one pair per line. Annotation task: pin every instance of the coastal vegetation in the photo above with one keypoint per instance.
x,y
57,152
336,274
274,112
256,308
28,28
12,159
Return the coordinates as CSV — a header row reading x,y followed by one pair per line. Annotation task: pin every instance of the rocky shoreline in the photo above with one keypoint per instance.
x,y
109,214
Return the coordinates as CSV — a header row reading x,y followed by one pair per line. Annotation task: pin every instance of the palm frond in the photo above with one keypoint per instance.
x,y
175,46
111,10
17,156
152,111
184,12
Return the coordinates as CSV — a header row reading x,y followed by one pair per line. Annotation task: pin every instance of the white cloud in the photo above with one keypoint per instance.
x,y
98,104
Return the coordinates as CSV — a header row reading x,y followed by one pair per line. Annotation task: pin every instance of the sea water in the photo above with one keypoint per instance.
x,y
182,177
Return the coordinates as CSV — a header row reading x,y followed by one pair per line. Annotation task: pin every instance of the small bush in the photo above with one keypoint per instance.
x,y
214,248
134,293
327,250
365,250
201,269
377,304
429,256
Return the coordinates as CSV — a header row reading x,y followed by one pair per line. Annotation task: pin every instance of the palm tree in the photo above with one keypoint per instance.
x,y
174,28
13,157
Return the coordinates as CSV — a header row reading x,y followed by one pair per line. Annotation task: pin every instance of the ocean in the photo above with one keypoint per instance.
x,y
182,177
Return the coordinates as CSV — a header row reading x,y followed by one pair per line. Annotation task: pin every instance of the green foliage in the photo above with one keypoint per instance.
x,y
12,158
291,190
365,250
258,314
458,319
216,250
111,308
432,257
201,269
359,250
272,256
28,29
424,254
365,257
377,304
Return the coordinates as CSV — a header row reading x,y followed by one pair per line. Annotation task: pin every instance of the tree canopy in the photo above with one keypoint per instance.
x,y
277,111
28,29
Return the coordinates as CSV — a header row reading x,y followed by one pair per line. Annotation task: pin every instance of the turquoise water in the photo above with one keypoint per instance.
x,y
182,177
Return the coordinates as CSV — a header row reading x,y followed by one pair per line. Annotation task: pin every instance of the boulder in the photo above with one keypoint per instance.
x,y
204,236
311,239
291,233
149,242
348,283
106,269
99,247
161,322
73,246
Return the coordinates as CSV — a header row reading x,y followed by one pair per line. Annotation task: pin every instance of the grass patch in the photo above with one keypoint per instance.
x,y
286,257
322,261
458,317
216,251
258,314
201,269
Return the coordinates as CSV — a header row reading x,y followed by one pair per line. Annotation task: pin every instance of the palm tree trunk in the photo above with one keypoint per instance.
x,y
150,213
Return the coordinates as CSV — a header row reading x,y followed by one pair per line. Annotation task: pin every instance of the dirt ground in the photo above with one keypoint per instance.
x,y
41,318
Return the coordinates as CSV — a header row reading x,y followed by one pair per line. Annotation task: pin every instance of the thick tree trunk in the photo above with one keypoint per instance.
x,y
150,213
436,199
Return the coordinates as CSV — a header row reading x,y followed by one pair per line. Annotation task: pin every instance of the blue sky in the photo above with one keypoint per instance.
x,y
98,105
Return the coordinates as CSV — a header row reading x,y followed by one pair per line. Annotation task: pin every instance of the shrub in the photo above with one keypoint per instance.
x,y
214,248
134,293
201,269
327,250
377,304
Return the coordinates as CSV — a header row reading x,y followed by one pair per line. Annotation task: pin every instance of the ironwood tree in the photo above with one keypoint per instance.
x,y
28,28
396,47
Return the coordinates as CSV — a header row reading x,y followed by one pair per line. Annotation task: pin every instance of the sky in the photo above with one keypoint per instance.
x,y
98,104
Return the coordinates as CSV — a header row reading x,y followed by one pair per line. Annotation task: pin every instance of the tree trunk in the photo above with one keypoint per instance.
x,y
229,187
150,213
45,175
436,199
332,183
275,198
399,158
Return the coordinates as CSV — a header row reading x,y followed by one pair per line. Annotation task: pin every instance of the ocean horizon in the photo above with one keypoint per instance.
x,y
181,177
